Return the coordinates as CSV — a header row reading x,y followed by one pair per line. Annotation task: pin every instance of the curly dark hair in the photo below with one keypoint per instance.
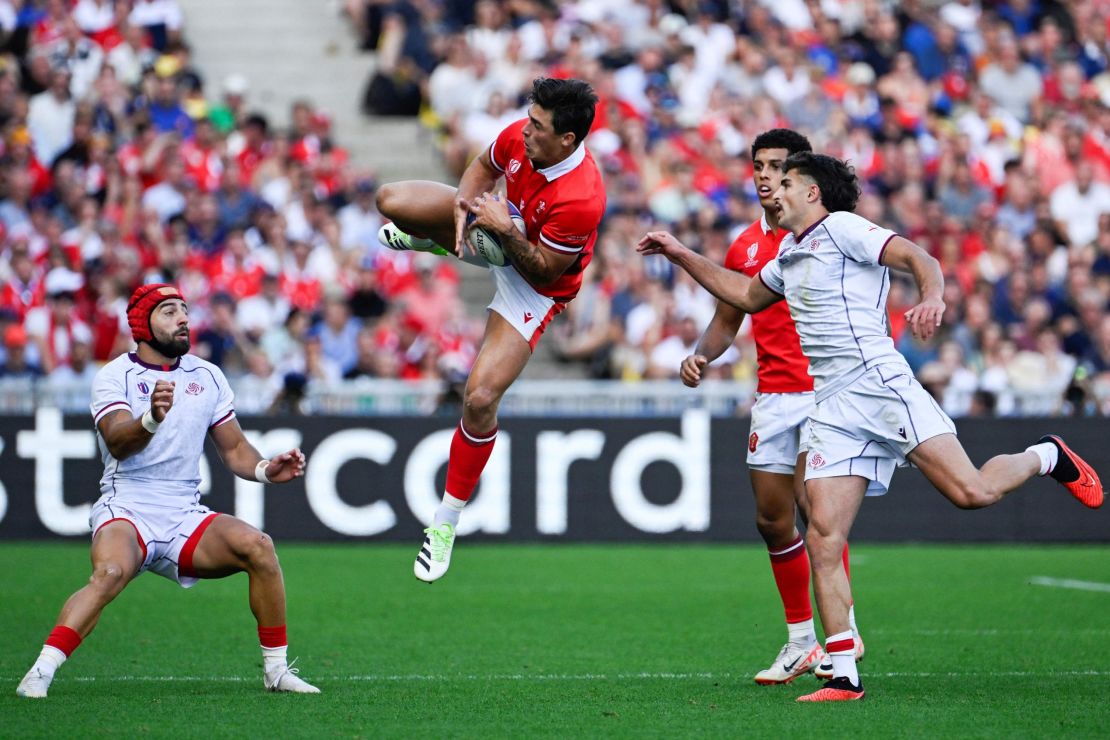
x,y
781,138
571,102
835,179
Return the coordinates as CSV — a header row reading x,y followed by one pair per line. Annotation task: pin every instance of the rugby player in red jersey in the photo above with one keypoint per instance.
x,y
555,183
784,400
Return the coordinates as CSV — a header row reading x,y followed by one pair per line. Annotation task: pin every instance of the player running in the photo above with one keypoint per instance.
x,y
780,417
553,180
871,413
152,409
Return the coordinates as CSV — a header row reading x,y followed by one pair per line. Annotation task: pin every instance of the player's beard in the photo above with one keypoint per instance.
x,y
175,347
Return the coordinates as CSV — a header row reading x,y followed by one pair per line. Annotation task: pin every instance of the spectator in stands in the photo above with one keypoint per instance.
x,y
16,363
55,327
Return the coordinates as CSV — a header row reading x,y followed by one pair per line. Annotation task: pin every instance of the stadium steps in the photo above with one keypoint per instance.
x,y
294,49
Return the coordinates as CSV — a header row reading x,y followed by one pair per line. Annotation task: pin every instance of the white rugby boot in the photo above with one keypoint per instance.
x,y
285,678
434,557
791,662
34,685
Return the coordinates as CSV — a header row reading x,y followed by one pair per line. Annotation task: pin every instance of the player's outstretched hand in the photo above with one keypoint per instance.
x,y
161,400
691,368
661,242
462,245
925,317
286,466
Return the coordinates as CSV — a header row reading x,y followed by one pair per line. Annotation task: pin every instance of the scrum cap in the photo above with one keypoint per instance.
x,y
143,302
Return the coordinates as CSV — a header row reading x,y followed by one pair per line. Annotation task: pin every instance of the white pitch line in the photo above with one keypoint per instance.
x,y
1070,583
417,677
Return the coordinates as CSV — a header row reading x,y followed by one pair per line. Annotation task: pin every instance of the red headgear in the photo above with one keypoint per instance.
x,y
143,302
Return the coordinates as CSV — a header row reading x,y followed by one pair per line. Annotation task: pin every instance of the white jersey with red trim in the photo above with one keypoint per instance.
x,y
836,288
562,205
166,471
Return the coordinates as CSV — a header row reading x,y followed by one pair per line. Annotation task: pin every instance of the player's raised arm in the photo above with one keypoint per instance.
x,y
750,296
126,435
905,256
245,461
480,177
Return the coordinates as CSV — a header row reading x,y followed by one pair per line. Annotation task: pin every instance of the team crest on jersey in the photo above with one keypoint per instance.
x,y
753,441
540,208
813,245
194,389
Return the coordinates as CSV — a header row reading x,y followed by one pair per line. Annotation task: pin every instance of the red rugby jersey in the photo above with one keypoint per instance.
x,y
782,366
562,205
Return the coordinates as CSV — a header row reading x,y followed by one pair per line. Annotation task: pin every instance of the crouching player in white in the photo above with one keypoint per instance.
x,y
152,409
871,413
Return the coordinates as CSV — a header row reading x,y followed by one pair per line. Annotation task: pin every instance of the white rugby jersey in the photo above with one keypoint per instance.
x,y
836,290
167,470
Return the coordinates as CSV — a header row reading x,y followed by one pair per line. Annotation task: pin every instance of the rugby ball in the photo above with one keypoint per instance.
x,y
487,243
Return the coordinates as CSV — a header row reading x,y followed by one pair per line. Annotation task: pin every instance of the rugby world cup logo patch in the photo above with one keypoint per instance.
x,y
194,389
514,166
144,388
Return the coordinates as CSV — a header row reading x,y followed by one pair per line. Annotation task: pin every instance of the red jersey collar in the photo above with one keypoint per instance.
x,y
567,165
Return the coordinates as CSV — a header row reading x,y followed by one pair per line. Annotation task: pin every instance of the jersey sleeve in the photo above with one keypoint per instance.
x,y
771,276
859,239
225,400
109,393
569,227
500,150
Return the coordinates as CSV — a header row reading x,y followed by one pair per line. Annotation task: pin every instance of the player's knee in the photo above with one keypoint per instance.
x,y
387,199
480,400
776,530
108,578
260,552
972,494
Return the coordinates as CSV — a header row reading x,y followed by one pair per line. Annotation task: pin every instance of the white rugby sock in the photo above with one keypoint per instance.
x,y
801,633
852,619
449,511
49,660
1049,455
274,658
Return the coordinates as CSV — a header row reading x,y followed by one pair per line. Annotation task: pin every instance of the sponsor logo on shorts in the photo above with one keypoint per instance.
x,y
194,389
753,441
816,461
528,316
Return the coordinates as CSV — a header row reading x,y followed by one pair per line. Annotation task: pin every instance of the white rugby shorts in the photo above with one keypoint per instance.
x,y
167,535
868,428
780,431
518,303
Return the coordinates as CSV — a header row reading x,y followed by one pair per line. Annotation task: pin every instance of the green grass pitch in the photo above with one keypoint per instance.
x,y
571,641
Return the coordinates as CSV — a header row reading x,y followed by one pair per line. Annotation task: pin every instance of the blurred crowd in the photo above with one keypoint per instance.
x,y
979,129
120,164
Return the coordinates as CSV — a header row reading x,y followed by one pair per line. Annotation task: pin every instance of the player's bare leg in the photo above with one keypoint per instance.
x,y
229,546
423,215
776,516
502,357
945,463
116,557
833,505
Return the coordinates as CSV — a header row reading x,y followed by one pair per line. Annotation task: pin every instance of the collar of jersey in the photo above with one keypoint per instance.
x,y
561,168
150,366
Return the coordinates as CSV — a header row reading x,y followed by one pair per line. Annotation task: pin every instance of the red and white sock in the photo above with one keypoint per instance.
x,y
790,566
852,606
59,645
275,647
470,452
841,648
